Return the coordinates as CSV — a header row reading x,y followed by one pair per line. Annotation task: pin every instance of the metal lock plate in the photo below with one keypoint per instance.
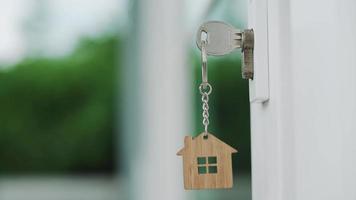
x,y
222,39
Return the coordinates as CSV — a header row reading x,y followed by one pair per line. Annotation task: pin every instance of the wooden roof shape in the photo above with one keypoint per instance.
x,y
211,142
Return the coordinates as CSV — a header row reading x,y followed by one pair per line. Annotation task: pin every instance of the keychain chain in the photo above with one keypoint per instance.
x,y
205,100
205,88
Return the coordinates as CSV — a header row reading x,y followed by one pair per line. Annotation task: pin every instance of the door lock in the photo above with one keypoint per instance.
x,y
223,38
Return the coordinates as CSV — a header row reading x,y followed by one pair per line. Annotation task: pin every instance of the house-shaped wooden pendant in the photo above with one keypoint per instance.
x,y
207,162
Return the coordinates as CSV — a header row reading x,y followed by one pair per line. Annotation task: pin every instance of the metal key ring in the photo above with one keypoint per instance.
x,y
204,61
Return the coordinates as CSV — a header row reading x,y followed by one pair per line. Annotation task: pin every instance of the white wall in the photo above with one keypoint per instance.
x,y
304,138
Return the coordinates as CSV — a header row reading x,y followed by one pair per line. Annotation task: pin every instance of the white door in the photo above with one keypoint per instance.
x,y
304,137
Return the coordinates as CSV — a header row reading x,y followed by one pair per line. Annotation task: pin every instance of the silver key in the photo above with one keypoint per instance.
x,y
222,38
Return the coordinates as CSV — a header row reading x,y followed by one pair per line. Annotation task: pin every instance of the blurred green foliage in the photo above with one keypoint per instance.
x,y
57,115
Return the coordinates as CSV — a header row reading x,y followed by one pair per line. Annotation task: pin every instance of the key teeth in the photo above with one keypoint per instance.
x,y
237,39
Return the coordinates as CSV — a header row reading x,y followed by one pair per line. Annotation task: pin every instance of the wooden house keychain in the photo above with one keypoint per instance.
x,y
206,159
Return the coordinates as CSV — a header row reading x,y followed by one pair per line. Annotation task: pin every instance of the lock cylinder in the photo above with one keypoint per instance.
x,y
247,51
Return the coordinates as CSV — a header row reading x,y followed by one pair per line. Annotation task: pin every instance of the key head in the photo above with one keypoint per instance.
x,y
222,38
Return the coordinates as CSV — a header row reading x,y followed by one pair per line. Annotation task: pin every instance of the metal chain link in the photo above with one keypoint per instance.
x,y
205,90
